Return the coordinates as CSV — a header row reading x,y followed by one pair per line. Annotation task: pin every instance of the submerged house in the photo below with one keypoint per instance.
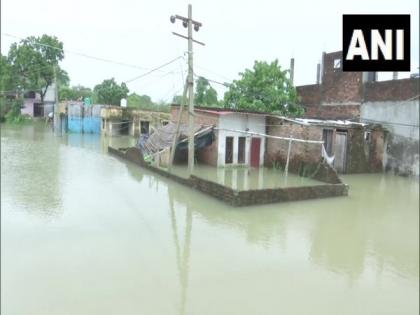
x,y
350,147
117,120
243,138
238,141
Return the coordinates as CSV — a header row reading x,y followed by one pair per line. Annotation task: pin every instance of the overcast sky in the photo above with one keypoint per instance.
x,y
235,33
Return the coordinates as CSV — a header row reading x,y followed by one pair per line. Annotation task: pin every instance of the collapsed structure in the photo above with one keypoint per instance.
x,y
157,146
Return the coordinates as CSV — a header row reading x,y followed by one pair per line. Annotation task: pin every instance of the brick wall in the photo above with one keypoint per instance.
x,y
333,111
392,90
338,86
276,150
201,117
309,95
343,92
362,156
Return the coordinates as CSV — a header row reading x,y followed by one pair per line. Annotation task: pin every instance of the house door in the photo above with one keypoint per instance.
x,y
255,152
38,110
340,151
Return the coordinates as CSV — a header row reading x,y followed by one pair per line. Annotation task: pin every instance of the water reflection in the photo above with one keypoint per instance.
x,y
182,252
31,174
344,233
135,226
244,178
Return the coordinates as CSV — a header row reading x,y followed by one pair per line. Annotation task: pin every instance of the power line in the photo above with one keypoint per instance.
x,y
215,73
225,84
83,54
153,70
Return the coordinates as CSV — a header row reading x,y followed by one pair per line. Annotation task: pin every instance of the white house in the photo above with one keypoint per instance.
x,y
238,140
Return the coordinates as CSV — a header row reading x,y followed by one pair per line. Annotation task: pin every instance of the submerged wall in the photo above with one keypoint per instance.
x,y
333,187
363,155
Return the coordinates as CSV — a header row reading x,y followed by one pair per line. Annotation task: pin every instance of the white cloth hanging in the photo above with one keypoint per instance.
x,y
328,159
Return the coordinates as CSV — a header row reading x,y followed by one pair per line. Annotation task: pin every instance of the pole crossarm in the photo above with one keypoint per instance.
x,y
195,41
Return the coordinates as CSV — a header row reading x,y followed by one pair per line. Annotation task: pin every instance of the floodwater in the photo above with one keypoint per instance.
x,y
242,178
83,232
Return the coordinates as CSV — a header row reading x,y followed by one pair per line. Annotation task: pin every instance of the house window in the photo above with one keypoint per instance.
x,y
241,150
229,150
337,64
165,122
327,137
144,127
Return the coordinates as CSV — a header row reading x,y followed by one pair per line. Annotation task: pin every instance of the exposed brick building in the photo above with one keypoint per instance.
x,y
339,94
356,147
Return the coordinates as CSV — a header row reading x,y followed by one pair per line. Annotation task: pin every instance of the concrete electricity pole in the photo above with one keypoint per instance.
x,y
56,115
189,22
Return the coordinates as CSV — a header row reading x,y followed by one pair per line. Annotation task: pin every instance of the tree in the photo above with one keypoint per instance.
x,y
265,88
75,93
8,79
35,63
10,92
139,101
109,92
205,93
177,99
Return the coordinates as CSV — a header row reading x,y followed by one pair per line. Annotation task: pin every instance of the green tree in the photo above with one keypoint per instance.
x,y
109,92
75,93
35,61
177,99
10,92
265,88
205,94
140,101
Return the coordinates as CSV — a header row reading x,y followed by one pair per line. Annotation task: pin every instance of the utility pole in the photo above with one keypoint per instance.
x,y
175,139
189,22
56,115
191,95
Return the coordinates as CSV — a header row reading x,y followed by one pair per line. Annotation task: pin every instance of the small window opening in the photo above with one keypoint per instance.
x,y
229,150
337,64
241,150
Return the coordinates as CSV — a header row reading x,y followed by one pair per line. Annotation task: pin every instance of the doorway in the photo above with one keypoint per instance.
x,y
340,153
255,152
38,110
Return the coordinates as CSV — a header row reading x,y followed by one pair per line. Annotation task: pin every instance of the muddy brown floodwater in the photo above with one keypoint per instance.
x,y
83,232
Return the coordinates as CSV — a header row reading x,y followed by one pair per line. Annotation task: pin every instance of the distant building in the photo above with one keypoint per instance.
x,y
32,105
117,120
